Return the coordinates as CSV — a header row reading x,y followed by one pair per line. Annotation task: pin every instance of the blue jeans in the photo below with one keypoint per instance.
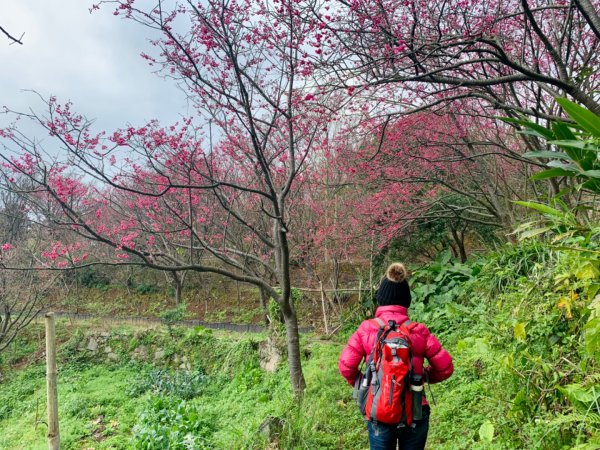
x,y
387,437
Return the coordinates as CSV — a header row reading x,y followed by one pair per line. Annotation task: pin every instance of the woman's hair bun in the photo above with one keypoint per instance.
x,y
397,273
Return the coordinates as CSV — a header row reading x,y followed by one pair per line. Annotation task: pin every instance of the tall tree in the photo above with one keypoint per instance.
x,y
22,294
218,186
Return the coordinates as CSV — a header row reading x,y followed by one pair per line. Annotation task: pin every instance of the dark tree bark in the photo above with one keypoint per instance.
x,y
459,240
177,280
13,39
590,14
264,300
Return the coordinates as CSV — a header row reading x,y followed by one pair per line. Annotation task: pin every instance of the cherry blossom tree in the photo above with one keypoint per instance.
x,y
428,168
496,58
513,56
217,188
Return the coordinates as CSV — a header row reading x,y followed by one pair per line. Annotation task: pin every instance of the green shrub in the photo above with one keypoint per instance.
x,y
173,424
171,317
516,331
145,288
92,277
182,384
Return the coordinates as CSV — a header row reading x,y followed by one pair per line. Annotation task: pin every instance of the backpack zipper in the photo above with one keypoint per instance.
x,y
392,388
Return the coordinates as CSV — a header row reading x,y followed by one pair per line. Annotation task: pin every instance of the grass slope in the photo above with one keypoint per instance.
x,y
222,403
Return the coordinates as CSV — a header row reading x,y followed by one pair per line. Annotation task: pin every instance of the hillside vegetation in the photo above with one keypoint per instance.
x,y
522,325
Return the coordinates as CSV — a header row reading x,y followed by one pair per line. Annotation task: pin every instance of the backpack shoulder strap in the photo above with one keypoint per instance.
x,y
380,322
409,324
381,330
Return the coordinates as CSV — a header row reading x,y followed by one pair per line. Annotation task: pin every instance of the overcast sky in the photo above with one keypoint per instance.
x,y
91,59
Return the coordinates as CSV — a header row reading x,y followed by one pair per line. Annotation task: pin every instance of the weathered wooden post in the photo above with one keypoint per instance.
x,y
324,307
359,293
51,384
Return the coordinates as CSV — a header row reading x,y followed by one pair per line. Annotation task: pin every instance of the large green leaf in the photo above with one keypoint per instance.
x,y
538,130
530,132
579,395
486,431
584,117
548,154
575,143
562,131
552,173
540,207
592,338
562,165
592,185
592,173
584,152
519,331
533,232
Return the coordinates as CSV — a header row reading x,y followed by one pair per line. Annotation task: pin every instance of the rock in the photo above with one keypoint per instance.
x,y
105,334
107,349
159,354
271,428
270,355
92,344
184,358
141,351
113,356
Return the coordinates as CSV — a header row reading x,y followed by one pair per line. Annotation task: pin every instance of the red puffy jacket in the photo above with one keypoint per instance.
x,y
423,343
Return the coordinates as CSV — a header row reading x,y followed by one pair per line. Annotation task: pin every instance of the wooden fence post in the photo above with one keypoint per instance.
x,y
51,384
359,293
324,307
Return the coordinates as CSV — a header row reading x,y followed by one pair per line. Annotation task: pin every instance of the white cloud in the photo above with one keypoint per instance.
x,y
90,59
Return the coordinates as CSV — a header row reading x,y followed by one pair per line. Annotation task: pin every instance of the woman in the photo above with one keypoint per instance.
x,y
393,297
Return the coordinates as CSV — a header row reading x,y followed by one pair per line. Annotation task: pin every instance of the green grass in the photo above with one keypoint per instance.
x,y
101,403
94,408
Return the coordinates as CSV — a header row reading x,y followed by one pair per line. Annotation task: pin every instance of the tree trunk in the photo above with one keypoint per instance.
x,y
453,249
293,348
288,309
459,239
177,293
264,298
178,285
